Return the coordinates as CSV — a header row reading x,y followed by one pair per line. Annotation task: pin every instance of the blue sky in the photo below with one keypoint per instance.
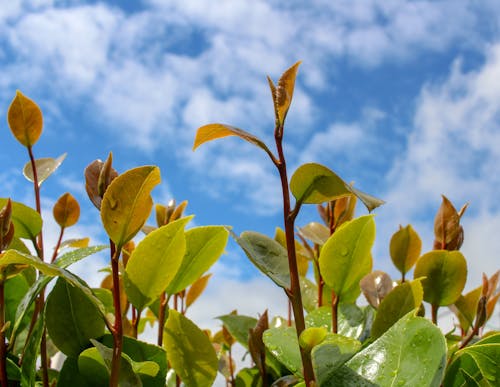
x,y
402,97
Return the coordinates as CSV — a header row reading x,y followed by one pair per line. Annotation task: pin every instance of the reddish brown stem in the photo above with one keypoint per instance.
x,y
231,373
434,313
161,318
117,327
335,312
58,245
3,348
136,319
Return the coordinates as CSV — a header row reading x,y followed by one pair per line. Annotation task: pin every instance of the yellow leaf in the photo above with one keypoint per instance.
x,y
283,93
197,289
66,210
25,119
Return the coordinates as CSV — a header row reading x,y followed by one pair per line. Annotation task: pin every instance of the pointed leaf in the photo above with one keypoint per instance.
x,y
411,353
71,319
98,177
314,183
465,308
204,246
445,274
31,351
25,119
67,259
283,344
14,257
196,289
127,203
190,351
44,168
401,300
345,258
211,132
267,255
66,211
27,222
405,248
154,263
283,92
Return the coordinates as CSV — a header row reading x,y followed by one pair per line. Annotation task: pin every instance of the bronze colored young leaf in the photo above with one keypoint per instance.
x,y
98,176
196,289
448,233
127,203
405,248
283,92
44,168
445,274
66,210
214,131
315,232
25,119
375,286
314,183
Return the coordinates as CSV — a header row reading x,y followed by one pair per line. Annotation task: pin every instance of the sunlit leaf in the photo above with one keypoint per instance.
x,y
448,233
44,168
211,132
345,258
189,351
445,274
25,119
14,257
405,248
75,243
283,344
71,319
196,289
401,300
127,203
315,232
204,246
154,263
283,92
375,286
27,222
312,336
267,255
411,353
314,183
66,211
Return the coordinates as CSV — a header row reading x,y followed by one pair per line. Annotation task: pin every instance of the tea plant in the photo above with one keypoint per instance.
x,y
326,340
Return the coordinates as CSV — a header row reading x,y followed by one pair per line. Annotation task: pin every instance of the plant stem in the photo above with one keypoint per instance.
x,y
161,318
136,318
434,313
294,294
3,348
58,245
117,328
335,312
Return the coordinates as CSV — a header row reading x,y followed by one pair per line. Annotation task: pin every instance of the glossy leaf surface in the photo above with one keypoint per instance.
x,y
283,92
283,344
25,119
154,263
71,319
314,183
127,203
375,286
189,350
445,274
267,255
315,232
401,300
66,211
412,353
405,247
204,245
345,258
44,168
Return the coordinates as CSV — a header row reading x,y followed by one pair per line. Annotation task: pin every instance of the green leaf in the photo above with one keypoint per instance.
x,y
405,248
15,290
345,258
283,344
190,351
14,257
70,375
13,371
211,132
28,368
480,361
411,353
204,245
401,300
154,262
314,183
267,255
465,308
92,367
330,355
71,319
238,326
27,222
445,274
25,119
67,259
127,203
248,377
44,168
